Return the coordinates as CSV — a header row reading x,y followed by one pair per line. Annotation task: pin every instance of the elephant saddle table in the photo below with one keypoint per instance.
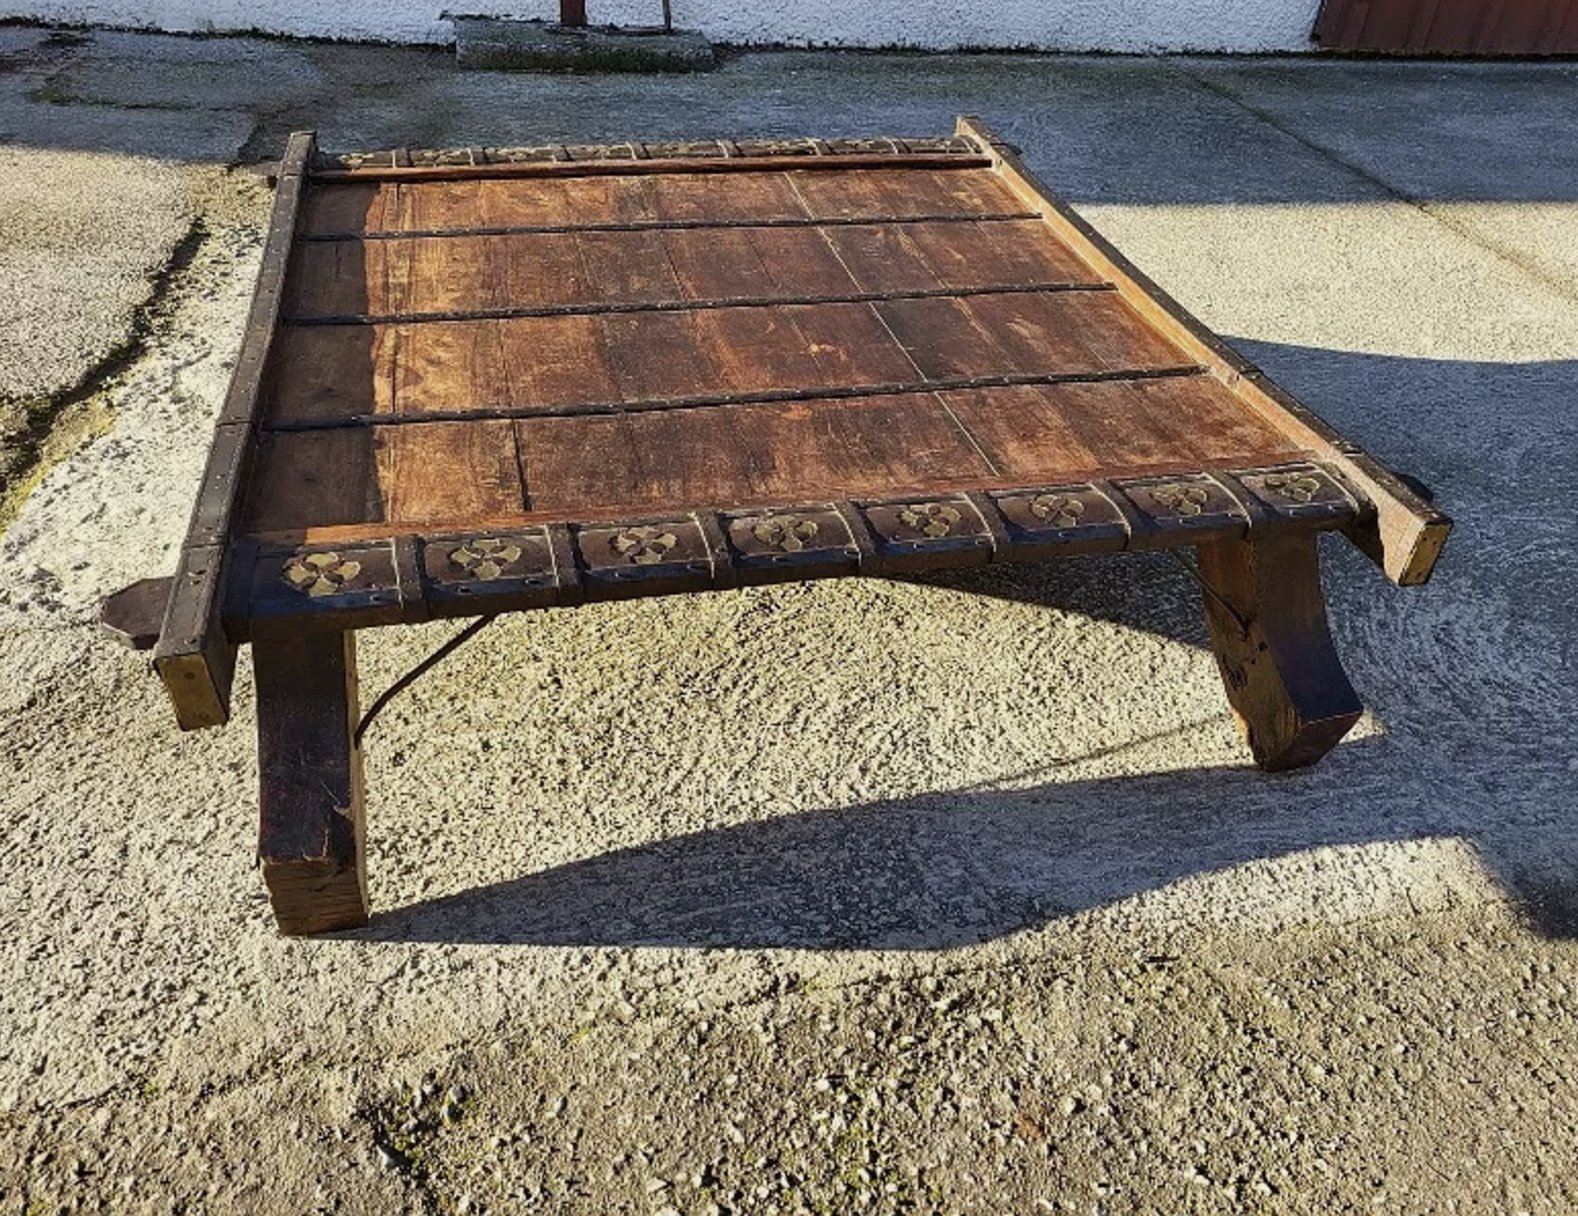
x,y
493,379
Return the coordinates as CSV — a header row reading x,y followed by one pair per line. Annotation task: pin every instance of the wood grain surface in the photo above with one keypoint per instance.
x,y
581,347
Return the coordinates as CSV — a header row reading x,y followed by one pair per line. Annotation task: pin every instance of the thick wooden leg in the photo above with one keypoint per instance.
x,y
311,838
1267,616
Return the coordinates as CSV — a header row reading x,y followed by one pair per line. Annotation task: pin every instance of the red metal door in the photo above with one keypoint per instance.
x,y
1449,27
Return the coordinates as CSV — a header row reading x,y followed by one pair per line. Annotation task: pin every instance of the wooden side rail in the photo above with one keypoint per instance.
x,y
194,657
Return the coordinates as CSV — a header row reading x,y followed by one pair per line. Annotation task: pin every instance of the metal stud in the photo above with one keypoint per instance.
x,y
318,574
643,546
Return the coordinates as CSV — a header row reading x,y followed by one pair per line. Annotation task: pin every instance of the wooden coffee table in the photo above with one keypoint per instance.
x,y
491,379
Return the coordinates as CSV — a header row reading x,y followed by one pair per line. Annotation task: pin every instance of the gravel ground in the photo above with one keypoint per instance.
x,y
947,896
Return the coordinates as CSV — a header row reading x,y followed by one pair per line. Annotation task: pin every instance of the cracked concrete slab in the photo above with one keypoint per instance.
x,y
787,897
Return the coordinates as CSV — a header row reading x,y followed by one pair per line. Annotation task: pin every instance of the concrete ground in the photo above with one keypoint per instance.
x,y
928,897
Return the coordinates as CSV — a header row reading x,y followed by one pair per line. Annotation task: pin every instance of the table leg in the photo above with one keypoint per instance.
x,y
1267,618
311,839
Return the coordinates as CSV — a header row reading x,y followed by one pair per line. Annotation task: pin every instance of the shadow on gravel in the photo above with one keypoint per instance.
x,y
1470,679
928,873
957,869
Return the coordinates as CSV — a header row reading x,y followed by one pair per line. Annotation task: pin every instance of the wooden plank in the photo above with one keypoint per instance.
x,y
405,476
913,382
901,192
753,349
389,369
970,255
448,470
384,278
1423,19
1352,29
541,362
1548,40
505,204
1519,27
941,340
1487,27
620,168
553,359
553,270
756,349
346,208
794,453
784,262
436,363
626,267
327,477
747,196
1081,332
851,345
658,355
904,257
1321,31
465,365
883,259
341,279
1445,27
1563,34
358,207
1036,433
1451,30
1075,332
679,355
1326,22
334,372
682,304
1402,533
193,656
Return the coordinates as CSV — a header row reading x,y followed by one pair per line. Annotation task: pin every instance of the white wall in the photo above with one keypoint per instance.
x,y
1112,25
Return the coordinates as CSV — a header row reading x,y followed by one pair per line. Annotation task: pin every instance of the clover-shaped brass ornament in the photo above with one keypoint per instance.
x,y
318,574
1300,487
788,533
644,546
1185,501
1060,510
486,558
933,519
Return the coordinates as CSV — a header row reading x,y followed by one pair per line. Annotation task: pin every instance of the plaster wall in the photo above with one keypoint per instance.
x,y
1073,25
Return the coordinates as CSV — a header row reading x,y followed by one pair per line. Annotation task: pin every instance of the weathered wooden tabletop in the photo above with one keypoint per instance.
x,y
493,379
512,378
